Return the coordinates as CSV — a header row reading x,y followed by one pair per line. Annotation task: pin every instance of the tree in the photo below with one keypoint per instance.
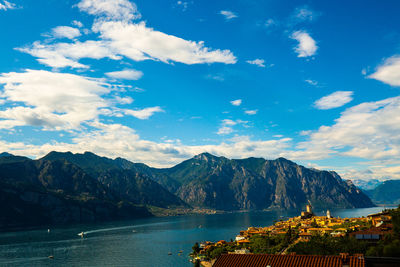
x,y
196,248
314,224
216,252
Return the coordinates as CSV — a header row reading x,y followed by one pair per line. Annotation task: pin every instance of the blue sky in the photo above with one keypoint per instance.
x,y
160,81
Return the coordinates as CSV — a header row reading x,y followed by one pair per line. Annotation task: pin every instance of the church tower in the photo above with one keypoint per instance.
x,y
328,214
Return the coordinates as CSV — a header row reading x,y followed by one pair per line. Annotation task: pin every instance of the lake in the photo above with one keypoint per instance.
x,y
144,242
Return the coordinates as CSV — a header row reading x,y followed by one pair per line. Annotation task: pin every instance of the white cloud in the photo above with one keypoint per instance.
x,y
228,14
229,122
124,100
143,114
304,14
389,72
77,23
134,41
138,42
65,32
61,101
227,126
311,82
236,102
307,46
115,9
251,112
60,55
128,74
6,5
257,61
51,100
224,130
115,140
369,130
334,100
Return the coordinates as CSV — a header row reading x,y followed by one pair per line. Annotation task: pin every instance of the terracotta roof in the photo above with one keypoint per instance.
x,y
371,231
262,260
305,234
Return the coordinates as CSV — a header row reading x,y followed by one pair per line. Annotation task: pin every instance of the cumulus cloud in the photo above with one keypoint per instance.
x,y
134,41
114,10
143,114
236,102
334,100
138,42
389,72
119,37
227,126
115,140
370,130
65,32
307,46
77,23
224,130
61,55
128,74
6,5
257,62
60,101
375,171
228,14
52,100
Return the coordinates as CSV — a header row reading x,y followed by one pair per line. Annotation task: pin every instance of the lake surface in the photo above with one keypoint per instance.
x,y
144,242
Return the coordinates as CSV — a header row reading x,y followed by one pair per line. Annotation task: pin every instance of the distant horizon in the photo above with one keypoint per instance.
x,y
160,81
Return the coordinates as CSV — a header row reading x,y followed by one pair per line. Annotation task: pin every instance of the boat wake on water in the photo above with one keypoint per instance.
x,y
83,234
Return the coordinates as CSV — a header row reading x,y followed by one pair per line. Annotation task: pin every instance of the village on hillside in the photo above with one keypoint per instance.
x,y
305,234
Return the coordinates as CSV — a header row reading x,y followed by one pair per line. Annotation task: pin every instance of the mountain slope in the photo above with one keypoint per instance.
x,y
67,187
387,192
48,192
216,182
131,181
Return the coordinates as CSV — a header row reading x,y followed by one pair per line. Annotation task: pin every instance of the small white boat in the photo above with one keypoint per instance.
x,y
81,234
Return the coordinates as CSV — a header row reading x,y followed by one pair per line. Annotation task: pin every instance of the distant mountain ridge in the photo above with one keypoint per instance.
x,y
388,192
87,187
66,187
208,181
367,184
255,183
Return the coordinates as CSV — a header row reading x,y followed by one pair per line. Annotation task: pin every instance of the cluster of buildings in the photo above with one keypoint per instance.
x,y
307,224
371,228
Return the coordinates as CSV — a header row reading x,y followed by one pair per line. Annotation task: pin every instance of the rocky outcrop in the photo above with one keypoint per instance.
x,y
254,183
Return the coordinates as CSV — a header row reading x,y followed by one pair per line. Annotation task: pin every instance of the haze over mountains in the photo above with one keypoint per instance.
x,y
66,187
387,192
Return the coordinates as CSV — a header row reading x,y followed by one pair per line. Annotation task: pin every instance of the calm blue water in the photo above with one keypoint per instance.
x,y
144,242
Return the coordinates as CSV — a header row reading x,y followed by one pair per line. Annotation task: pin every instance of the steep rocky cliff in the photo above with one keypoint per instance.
x,y
255,183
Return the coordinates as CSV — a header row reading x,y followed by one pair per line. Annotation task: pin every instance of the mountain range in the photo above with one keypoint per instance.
x,y
387,192
63,187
